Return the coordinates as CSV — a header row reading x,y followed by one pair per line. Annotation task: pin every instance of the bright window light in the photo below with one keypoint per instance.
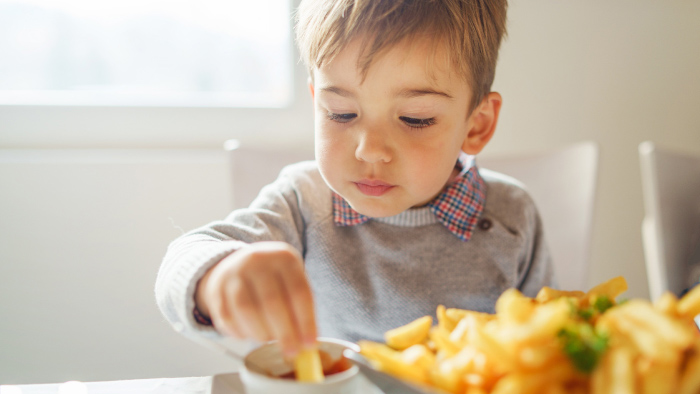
x,y
231,53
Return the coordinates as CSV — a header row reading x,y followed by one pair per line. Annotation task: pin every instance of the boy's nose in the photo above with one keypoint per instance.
x,y
373,148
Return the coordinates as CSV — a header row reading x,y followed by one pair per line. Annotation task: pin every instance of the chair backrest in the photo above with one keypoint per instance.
x,y
252,168
671,226
563,185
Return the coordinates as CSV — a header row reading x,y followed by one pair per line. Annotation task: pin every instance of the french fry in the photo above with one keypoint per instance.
x,y
494,350
645,341
390,361
447,377
544,322
475,380
689,305
444,321
559,373
667,304
456,315
672,331
308,367
657,378
523,383
418,355
555,388
611,289
513,306
690,379
461,333
540,355
621,371
442,341
469,359
410,334
600,378
475,390
547,294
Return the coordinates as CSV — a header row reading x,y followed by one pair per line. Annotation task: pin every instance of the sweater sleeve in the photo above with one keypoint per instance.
x,y
275,215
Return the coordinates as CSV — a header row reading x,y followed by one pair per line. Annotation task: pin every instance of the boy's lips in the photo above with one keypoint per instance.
x,y
373,188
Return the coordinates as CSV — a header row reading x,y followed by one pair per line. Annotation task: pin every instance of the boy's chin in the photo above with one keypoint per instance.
x,y
377,209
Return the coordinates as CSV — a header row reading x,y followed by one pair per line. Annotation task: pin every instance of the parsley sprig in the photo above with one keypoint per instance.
x,y
583,345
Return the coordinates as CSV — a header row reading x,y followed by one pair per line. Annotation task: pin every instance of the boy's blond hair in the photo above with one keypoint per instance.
x,y
470,29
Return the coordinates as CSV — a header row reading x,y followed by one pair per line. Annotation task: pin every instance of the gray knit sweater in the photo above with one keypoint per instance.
x,y
372,277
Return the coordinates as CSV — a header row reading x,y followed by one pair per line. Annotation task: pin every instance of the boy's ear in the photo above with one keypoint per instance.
x,y
311,88
482,124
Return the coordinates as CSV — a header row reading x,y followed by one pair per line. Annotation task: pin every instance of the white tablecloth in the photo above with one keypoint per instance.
x,y
217,384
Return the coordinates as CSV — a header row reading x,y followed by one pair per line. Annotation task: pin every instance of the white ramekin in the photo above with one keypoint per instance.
x,y
269,356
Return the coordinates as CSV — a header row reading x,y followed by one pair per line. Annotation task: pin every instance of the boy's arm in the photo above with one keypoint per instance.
x,y
274,215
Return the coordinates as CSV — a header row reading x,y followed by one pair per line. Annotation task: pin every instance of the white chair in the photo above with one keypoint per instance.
x,y
671,226
563,185
561,182
252,168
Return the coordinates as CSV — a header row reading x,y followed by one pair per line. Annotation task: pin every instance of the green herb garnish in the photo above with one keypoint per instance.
x,y
583,345
602,304
586,313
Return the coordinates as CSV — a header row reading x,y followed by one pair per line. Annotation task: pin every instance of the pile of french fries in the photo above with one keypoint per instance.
x,y
558,342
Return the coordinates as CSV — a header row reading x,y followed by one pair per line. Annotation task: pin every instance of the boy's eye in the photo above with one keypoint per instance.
x,y
341,118
417,123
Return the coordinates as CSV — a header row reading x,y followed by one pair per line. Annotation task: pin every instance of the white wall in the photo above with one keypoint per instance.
x,y
617,72
81,238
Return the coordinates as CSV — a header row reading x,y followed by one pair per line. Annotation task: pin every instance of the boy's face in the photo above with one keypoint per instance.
x,y
390,142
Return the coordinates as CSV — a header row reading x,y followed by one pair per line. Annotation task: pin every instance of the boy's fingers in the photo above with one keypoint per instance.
x,y
222,318
243,311
299,295
227,327
270,293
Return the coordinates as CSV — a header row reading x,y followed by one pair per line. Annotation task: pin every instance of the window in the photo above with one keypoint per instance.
x,y
194,53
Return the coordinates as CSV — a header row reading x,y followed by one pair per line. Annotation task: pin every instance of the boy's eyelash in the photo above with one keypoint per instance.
x,y
417,123
341,118
410,122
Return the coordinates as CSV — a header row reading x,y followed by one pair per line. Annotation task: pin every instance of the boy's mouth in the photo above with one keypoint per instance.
x,y
373,188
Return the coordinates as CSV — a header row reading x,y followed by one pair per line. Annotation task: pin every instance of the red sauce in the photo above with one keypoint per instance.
x,y
289,375
340,365
337,366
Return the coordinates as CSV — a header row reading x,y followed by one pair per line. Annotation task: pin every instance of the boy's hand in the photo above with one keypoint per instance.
x,y
260,292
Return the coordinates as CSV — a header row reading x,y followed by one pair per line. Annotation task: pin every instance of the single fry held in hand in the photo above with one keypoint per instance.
x,y
557,342
308,367
314,365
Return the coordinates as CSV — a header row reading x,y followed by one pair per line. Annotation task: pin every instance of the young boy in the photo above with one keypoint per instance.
x,y
393,217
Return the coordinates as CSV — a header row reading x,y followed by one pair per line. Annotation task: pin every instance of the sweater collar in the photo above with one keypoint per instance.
x,y
458,207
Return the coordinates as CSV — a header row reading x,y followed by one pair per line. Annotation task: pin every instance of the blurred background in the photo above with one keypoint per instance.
x,y
113,117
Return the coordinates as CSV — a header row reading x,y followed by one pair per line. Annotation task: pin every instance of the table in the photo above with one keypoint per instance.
x,y
218,384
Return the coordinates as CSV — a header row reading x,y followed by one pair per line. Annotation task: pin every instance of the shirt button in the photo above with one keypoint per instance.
x,y
485,224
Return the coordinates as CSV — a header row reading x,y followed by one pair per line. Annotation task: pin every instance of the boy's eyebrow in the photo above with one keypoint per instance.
x,y
406,93
338,91
410,93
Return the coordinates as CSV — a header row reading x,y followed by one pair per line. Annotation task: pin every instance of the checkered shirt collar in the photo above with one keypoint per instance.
x,y
458,207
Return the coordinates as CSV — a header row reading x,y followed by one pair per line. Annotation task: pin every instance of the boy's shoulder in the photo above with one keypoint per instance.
x,y
304,180
304,174
507,199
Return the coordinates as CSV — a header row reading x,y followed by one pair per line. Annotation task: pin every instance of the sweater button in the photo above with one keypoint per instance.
x,y
485,224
